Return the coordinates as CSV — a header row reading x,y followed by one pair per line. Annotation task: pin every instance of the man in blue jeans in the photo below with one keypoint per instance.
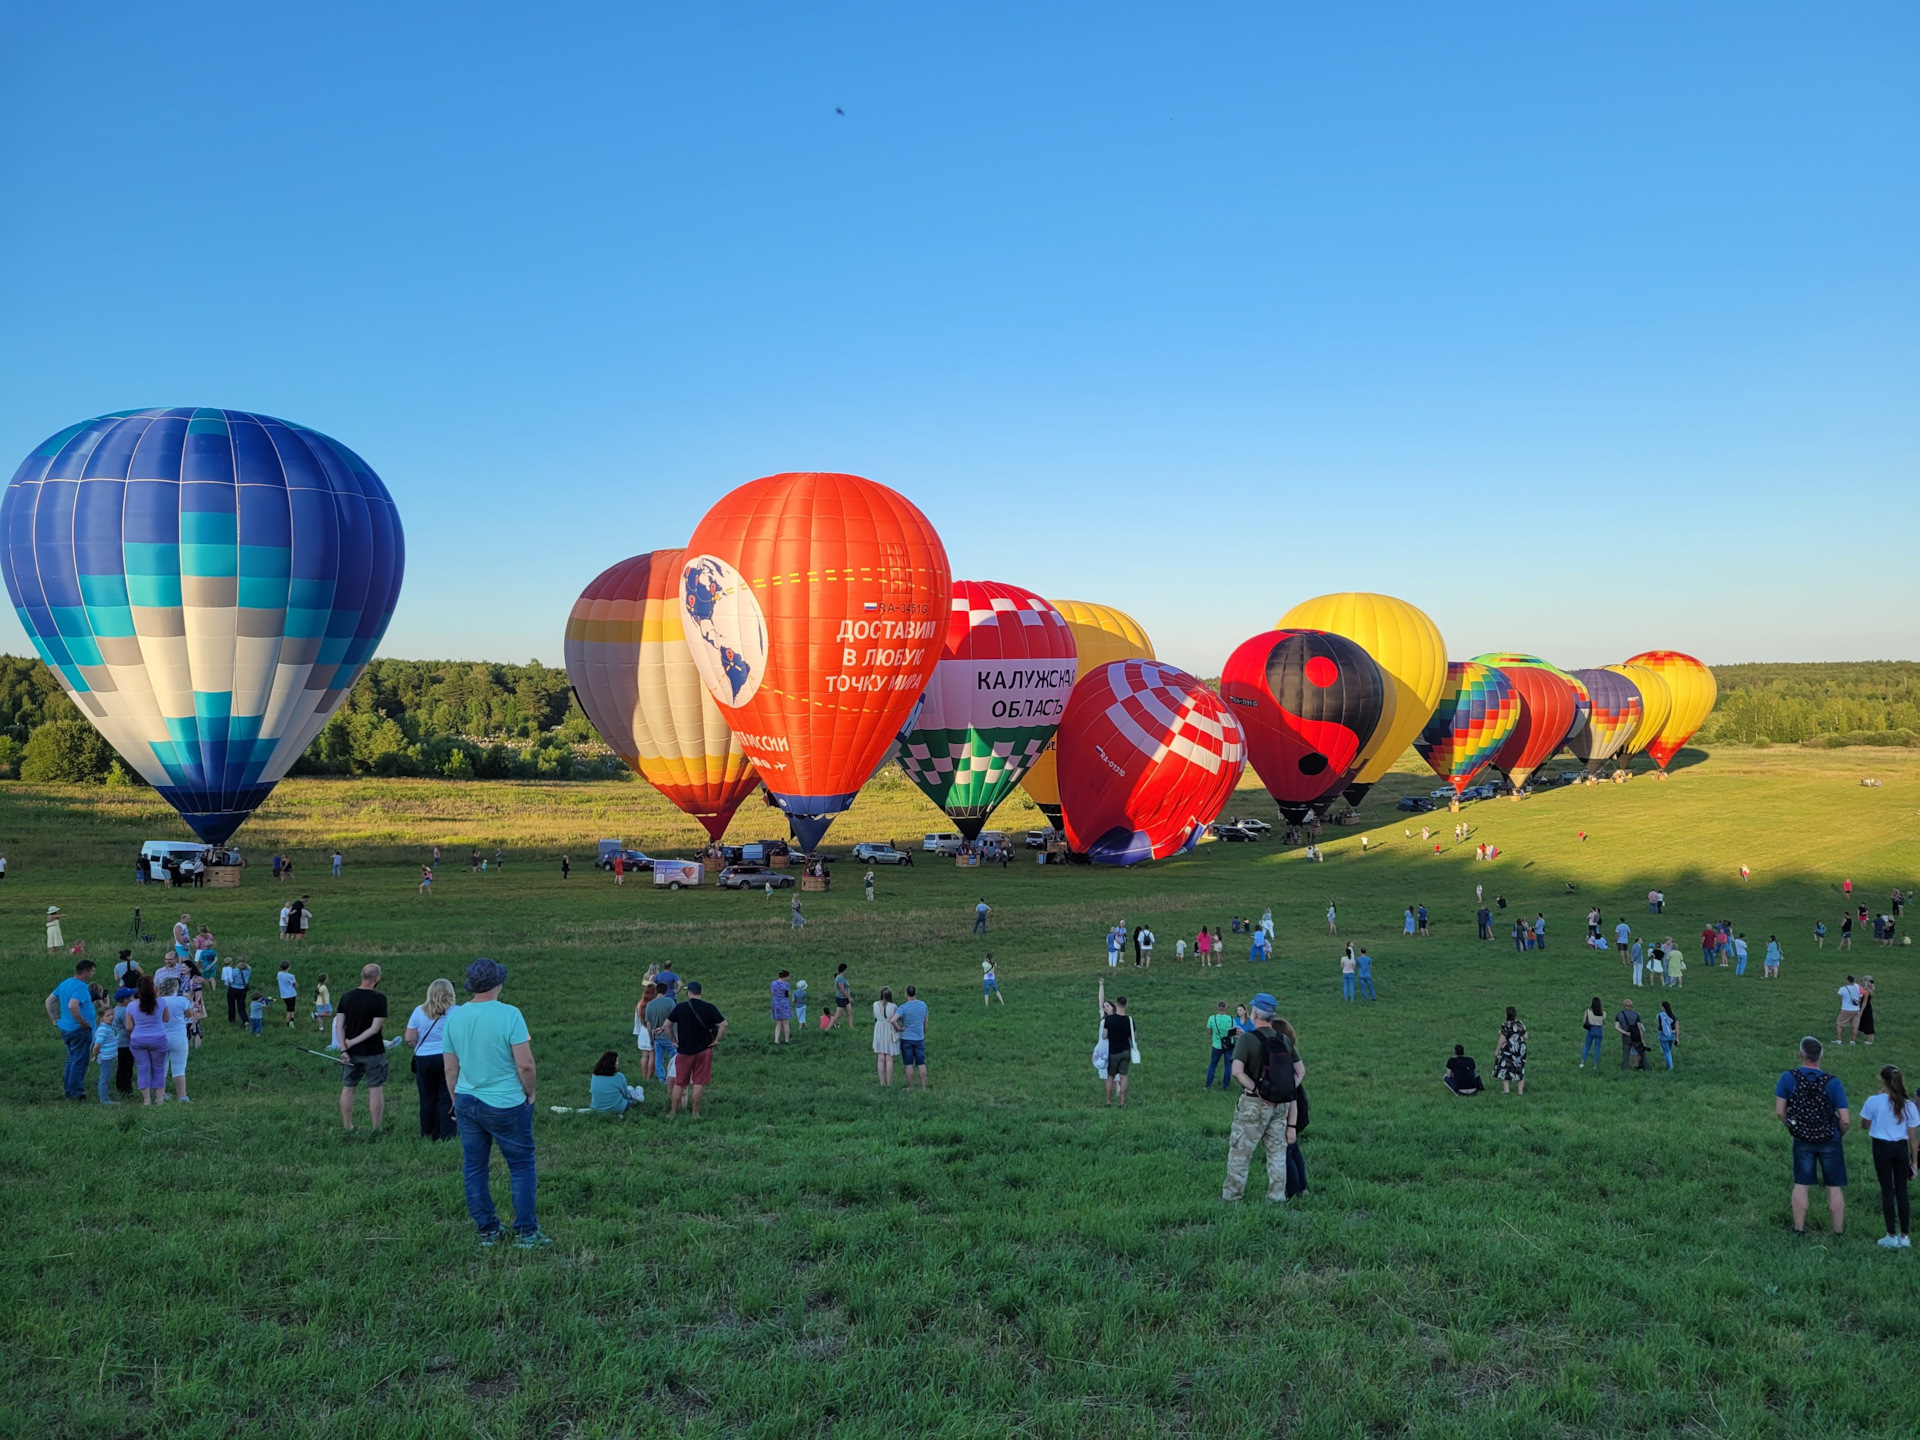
x,y
913,1037
70,1008
980,913
489,1062
1813,1106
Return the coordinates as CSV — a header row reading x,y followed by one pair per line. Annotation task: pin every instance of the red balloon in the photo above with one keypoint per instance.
x,y
1548,704
1308,701
1148,759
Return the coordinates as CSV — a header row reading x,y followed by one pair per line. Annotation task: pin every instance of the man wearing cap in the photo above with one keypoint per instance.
x,y
697,1027
363,1022
1256,1120
490,1070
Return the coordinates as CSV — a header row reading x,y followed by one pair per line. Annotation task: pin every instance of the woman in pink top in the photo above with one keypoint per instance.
x,y
1203,946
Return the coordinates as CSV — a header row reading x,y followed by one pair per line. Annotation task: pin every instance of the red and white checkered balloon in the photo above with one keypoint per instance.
x,y
1148,759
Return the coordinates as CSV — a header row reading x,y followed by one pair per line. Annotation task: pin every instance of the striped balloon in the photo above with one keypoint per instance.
x,y
1478,710
208,585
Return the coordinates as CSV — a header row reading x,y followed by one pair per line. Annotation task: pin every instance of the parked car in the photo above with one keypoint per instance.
x,y
1416,804
636,860
879,854
754,877
1259,828
1040,839
1479,792
1230,830
941,844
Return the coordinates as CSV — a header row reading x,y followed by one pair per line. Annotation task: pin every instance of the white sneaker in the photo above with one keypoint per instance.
x,y
1889,1242
1906,1242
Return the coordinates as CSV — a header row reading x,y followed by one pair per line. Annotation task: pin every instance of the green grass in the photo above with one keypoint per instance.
x,y
1002,1256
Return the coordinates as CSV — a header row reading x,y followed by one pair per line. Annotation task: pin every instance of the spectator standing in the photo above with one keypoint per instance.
x,y
322,1005
1333,919
1510,1057
1770,968
1740,954
1483,920
1813,1106
490,1068
698,1027
71,1009
1269,1073
1347,968
289,989
236,977
842,994
363,1015
1363,974
566,867
980,913
913,1036
799,920
106,1046
658,1013
175,1023
1863,1027
1221,1032
868,882
1540,931
1819,934
1593,1021
1846,933
1626,1024
1409,925
1893,1123
643,1032
426,1036
1669,1031
1849,1017
1420,917
1638,959
146,1025
1203,946
886,1035
1622,936
990,983
1146,947
781,992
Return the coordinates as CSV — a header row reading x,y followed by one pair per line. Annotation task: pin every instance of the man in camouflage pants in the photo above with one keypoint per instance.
x,y
1256,1121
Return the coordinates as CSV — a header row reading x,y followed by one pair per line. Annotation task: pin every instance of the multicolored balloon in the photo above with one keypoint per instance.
x,y
1656,703
994,701
207,585
1412,657
814,606
1694,691
1615,715
631,671
1149,757
1582,702
1548,703
1101,635
1477,713
1307,701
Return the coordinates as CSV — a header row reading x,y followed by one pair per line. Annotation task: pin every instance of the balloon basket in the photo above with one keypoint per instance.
x,y
814,884
967,862
778,860
223,877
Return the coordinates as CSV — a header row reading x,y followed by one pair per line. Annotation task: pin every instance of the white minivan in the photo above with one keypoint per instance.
x,y
942,844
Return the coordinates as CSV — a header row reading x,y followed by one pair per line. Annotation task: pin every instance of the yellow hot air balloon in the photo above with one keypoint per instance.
x,y
1102,635
1656,703
1694,691
627,658
1412,657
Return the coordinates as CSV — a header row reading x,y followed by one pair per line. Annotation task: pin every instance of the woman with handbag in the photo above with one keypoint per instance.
x,y
427,1035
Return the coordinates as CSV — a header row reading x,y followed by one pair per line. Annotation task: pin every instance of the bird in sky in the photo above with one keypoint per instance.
x,y
838,111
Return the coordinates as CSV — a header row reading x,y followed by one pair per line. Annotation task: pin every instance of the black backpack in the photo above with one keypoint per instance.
x,y
1809,1111
1275,1081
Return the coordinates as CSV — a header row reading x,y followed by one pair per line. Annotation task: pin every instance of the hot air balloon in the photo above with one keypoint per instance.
x,y
208,585
636,681
1148,759
1615,714
1412,657
1101,635
1656,703
814,606
1582,702
1307,702
1694,691
1478,711
993,702
1547,704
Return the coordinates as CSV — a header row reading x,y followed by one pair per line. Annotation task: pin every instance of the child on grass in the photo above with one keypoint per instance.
x,y
106,1047
322,1005
800,1002
257,1013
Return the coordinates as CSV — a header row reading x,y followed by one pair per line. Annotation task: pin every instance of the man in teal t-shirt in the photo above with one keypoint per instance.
x,y
70,1007
490,1070
1222,1031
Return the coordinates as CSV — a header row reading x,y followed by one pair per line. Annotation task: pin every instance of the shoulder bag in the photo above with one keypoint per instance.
x,y
414,1063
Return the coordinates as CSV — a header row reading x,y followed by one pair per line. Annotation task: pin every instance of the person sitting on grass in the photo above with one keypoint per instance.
x,y
1460,1076
610,1093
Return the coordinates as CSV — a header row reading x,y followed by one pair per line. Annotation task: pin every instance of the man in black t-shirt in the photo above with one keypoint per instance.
x,y
1119,1028
363,1021
698,1027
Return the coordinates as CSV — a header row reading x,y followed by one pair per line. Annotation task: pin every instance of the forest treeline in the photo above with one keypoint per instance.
x,y
474,720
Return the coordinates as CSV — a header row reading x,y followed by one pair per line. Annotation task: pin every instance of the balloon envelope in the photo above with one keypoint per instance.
x,y
631,671
1101,635
1477,713
814,606
1148,759
1693,689
995,698
1307,701
1412,657
1547,705
1614,715
1582,702
1656,703
208,585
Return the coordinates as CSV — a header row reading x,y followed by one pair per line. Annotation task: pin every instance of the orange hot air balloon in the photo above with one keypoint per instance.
x,y
1101,635
637,683
1694,691
814,606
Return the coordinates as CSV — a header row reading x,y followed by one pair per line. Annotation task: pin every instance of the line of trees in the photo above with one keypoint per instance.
x,y
471,720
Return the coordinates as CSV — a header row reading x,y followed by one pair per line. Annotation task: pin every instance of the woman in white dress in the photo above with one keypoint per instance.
x,y
55,941
886,1034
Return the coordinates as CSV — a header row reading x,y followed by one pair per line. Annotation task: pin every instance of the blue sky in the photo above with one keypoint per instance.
x,y
1588,329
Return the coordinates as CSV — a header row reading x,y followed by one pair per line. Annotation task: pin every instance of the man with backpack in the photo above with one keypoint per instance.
x,y
1813,1106
1269,1075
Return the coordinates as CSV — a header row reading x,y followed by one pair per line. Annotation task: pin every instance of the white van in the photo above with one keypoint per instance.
x,y
941,844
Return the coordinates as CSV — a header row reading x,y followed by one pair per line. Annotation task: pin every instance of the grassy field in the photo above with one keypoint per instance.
x,y
1001,1256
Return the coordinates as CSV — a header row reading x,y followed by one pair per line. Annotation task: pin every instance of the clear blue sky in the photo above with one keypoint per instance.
x,y
1588,328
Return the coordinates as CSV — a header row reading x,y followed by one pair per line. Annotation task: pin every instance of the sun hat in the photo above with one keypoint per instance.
x,y
484,975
